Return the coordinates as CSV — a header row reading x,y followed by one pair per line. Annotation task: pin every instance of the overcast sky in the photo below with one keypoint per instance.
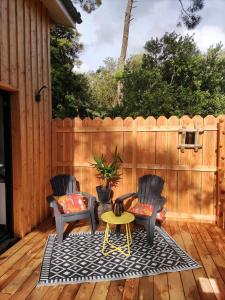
x,y
101,31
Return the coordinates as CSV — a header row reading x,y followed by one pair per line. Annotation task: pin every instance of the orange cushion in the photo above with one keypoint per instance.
x,y
71,203
146,210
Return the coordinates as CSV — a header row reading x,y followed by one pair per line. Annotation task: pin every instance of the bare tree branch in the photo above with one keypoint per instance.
x,y
189,16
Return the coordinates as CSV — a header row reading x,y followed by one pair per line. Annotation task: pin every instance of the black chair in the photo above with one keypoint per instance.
x,y
149,192
66,184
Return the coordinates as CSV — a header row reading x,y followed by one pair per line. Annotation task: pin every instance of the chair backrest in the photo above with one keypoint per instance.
x,y
63,184
149,188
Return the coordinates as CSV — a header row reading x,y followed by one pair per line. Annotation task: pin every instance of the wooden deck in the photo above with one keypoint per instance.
x,y
20,265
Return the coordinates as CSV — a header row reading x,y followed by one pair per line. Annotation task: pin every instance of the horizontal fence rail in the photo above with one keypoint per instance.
x,y
147,146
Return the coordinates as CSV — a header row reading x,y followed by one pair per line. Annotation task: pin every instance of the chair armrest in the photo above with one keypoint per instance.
x,y
52,202
91,199
86,194
126,196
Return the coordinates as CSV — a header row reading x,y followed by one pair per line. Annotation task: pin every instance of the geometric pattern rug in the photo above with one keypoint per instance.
x,y
79,258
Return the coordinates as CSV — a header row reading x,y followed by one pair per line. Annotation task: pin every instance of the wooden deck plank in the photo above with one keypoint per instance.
x,y
203,285
116,290
176,290
7,254
25,269
161,289
13,274
21,276
53,292
217,238
21,266
213,250
28,285
37,293
209,265
20,254
146,288
7,277
85,291
131,289
69,292
17,246
187,277
100,290
4,296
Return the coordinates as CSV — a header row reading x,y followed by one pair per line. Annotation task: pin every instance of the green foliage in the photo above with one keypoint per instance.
x,y
174,78
108,171
103,85
189,16
88,5
70,91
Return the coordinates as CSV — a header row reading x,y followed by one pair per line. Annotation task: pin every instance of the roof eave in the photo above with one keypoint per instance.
x,y
58,13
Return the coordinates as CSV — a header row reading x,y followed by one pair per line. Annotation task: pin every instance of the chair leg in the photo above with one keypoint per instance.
x,y
118,229
92,222
59,229
151,228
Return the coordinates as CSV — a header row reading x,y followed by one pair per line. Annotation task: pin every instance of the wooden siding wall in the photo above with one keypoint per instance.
x,y
146,146
25,65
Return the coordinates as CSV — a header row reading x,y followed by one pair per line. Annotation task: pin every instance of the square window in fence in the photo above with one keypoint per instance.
x,y
190,139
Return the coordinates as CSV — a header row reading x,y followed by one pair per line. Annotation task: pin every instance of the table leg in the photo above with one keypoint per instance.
x,y
114,248
130,236
106,238
128,239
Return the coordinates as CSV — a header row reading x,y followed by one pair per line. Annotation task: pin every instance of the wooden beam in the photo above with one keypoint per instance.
x,y
197,168
117,129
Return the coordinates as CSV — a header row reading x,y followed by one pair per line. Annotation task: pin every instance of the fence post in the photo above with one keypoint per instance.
x,y
54,148
219,177
134,156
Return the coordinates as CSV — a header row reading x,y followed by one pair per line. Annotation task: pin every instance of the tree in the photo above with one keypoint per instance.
x,y
70,91
88,5
174,78
103,86
127,20
123,52
189,17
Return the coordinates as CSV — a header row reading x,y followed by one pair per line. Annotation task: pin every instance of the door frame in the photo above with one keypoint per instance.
x,y
8,163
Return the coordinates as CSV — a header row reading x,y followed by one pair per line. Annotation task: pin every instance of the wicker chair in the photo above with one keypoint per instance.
x,y
149,192
66,184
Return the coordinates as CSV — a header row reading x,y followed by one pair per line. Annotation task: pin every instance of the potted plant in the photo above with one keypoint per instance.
x,y
108,173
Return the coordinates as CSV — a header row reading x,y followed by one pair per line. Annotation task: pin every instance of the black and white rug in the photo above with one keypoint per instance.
x,y
79,258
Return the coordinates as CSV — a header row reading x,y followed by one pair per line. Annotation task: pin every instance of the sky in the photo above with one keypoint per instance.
x,y
101,31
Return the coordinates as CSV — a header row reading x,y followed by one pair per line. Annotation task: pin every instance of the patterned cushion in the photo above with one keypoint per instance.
x,y
71,203
142,209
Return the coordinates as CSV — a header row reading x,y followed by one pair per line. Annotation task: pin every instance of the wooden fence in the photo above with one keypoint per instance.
x,y
146,146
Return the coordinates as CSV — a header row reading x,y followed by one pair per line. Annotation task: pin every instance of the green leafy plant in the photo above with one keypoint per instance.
x,y
108,171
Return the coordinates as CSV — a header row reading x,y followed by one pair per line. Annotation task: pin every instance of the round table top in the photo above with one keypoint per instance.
x,y
125,218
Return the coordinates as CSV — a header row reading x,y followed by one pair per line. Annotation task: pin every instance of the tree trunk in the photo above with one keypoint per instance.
x,y
123,52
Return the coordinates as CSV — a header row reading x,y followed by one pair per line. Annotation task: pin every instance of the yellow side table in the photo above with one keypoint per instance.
x,y
125,219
